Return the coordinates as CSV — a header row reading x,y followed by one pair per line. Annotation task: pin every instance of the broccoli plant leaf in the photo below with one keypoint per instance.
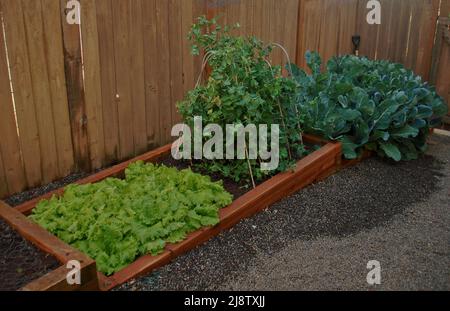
x,y
391,151
377,105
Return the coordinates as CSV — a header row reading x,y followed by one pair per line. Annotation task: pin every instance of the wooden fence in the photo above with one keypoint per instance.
x,y
83,97
405,34
440,69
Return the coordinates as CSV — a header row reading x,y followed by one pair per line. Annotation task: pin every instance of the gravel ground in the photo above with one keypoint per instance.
x,y
323,237
20,261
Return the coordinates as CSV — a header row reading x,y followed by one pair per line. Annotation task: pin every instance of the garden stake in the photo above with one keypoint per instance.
x,y
295,106
249,166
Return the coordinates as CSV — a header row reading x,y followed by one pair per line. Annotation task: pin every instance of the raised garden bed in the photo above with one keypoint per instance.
x,y
20,261
56,279
316,166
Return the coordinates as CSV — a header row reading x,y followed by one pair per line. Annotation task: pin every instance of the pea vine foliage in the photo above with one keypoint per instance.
x,y
376,105
243,88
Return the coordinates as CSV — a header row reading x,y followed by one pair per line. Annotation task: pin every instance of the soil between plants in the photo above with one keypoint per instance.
x,y
323,236
20,261
237,189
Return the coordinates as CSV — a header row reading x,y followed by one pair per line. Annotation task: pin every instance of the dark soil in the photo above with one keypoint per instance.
x,y
25,196
20,261
237,189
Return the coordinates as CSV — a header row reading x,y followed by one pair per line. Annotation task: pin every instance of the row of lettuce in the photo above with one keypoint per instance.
x,y
117,220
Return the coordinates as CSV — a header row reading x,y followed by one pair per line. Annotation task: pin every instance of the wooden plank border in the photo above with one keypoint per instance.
x,y
314,167
54,280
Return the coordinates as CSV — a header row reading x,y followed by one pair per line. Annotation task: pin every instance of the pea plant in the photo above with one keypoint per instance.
x,y
243,88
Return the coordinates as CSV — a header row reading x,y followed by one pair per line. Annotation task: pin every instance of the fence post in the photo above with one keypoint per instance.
x,y
75,90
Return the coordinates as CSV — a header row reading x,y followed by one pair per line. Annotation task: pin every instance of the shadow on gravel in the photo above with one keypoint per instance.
x,y
360,198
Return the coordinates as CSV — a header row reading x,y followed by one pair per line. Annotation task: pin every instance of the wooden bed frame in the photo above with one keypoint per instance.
x,y
314,167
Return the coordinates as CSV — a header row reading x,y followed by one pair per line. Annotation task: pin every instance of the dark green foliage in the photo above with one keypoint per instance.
x,y
377,105
243,88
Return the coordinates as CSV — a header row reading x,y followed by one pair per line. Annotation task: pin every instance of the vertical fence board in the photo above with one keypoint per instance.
x,y
426,36
267,22
402,32
57,81
4,191
329,30
199,9
413,45
176,58
445,8
443,80
249,17
23,94
137,76
122,20
257,18
41,88
309,29
151,78
347,25
92,82
187,19
75,91
108,80
12,176
242,16
5,116
441,60
369,33
389,29
290,23
163,72
276,9
191,10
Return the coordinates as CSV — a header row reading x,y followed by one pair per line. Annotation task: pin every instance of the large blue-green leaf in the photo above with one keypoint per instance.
x,y
424,112
349,114
349,148
439,107
391,151
396,108
380,135
405,132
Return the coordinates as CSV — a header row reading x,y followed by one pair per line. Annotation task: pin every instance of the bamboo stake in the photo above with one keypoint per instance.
x,y
249,166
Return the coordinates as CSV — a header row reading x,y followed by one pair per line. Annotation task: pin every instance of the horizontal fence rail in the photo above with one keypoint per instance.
x,y
78,97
